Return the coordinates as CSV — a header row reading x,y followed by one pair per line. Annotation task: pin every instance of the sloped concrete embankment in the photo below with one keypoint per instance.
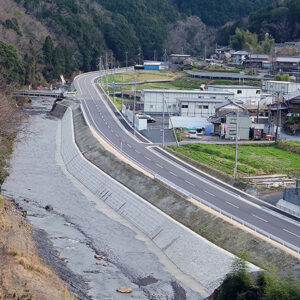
x,y
195,256
213,227
205,262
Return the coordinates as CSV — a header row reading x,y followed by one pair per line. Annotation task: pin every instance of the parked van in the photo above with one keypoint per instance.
x,y
192,134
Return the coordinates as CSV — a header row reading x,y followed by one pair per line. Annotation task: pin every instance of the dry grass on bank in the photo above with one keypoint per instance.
x,y
23,275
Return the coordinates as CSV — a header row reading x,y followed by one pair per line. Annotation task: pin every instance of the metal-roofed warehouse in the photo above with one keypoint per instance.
x,y
183,102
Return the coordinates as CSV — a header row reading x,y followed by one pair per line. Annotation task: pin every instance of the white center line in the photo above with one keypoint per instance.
x,y
189,183
129,145
292,233
138,152
209,193
173,174
260,218
232,204
147,158
159,166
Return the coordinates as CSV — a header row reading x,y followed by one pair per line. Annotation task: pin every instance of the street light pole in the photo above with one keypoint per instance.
x,y
163,121
236,143
277,117
134,100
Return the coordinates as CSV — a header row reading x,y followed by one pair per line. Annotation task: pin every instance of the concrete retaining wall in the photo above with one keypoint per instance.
x,y
195,256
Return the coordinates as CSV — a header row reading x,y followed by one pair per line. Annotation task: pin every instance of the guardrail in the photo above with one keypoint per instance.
x,y
116,148
232,217
38,93
187,194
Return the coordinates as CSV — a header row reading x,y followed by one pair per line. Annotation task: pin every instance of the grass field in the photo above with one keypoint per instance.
x,y
182,83
258,159
118,101
143,75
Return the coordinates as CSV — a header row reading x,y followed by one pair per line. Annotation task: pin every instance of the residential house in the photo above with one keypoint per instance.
x,y
287,64
238,57
260,61
229,117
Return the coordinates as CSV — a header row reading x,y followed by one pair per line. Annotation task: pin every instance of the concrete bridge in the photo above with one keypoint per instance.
x,y
39,93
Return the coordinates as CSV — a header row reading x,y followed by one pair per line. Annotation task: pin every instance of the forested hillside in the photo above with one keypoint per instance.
x,y
281,20
47,38
218,12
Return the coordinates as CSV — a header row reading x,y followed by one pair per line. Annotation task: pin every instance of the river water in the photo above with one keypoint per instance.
x,y
80,226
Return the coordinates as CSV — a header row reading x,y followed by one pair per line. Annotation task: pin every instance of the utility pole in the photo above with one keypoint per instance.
x,y
163,122
155,56
114,83
174,132
122,92
236,143
277,117
100,69
111,60
106,66
165,58
126,58
134,100
257,115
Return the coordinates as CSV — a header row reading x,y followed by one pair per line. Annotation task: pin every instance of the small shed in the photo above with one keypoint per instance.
x,y
152,65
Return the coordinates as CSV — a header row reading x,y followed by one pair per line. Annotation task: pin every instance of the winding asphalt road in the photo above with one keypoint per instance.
x,y
110,125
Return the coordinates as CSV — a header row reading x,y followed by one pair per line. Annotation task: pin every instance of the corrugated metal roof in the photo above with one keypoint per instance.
x,y
292,59
235,86
257,56
180,55
292,95
189,92
240,53
226,75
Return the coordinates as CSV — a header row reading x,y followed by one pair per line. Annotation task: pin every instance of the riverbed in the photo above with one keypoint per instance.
x,y
92,248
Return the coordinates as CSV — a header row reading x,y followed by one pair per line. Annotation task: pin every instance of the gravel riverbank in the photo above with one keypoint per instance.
x,y
80,227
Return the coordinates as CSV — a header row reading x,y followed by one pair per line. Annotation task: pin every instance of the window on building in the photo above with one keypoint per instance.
x,y
169,106
212,97
151,106
239,91
205,106
199,106
232,132
257,92
184,106
200,97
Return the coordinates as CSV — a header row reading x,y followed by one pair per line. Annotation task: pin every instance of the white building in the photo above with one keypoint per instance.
x,y
281,87
183,102
248,94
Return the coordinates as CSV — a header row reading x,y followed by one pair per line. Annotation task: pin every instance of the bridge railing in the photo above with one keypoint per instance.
x,y
36,93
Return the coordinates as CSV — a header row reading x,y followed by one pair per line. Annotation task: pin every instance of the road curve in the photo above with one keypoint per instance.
x,y
114,129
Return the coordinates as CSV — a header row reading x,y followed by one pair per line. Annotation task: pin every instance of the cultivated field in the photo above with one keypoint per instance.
x,y
258,159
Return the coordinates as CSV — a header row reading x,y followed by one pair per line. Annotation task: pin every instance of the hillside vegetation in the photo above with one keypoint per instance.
x,y
218,12
281,20
61,37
